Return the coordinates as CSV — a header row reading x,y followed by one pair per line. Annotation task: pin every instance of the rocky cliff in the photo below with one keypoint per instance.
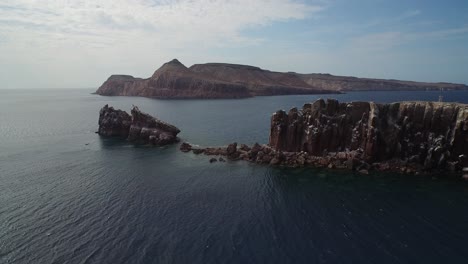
x,y
432,135
223,80
174,80
407,137
138,127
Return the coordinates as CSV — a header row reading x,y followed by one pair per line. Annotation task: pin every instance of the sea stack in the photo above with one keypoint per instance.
x,y
138,127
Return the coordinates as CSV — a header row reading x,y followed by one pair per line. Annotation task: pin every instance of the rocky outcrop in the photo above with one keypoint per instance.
x,y
428,134
174,80
408,137
223,80
138,127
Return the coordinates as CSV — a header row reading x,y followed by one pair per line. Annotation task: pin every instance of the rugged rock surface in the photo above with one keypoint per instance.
x,y
114,122
223,80
408,137
138,127
433,135
174,80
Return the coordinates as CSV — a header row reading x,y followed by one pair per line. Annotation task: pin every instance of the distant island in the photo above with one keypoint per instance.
x,y
222,80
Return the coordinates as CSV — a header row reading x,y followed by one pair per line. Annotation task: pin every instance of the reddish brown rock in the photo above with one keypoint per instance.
x,y
174,80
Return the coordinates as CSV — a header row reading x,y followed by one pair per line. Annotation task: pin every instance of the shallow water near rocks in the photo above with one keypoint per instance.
x,y
69,196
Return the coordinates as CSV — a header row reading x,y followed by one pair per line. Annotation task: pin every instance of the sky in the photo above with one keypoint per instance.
x,y
80,43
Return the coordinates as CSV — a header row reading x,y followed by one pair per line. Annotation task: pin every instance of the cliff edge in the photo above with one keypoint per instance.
x,y
407,137
428,134
175,81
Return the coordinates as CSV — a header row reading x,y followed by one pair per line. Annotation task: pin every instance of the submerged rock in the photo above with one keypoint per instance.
x,y
185,147
138,127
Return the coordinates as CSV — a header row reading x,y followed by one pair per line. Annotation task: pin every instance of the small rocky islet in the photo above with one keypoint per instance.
x,y
406,137
136,127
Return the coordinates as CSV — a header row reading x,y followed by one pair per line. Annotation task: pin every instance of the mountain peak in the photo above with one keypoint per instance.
x,y
174,66
174,61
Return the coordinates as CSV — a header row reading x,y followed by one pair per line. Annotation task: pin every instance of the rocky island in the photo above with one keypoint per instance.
x,y
174,80
409,137
138,127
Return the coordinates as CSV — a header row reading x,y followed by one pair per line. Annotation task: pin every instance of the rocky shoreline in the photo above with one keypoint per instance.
x,y
406,137
344,160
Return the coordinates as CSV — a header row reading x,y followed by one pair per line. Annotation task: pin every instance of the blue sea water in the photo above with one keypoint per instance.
x,y
69,196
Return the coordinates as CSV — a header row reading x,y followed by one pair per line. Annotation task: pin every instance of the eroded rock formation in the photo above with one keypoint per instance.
x,y
408,137
212,80
433,135
172,80
138,127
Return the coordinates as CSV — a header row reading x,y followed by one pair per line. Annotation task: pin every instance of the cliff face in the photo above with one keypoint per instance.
x,y
212,80
433,135
222,80
138,127
343,83
172,80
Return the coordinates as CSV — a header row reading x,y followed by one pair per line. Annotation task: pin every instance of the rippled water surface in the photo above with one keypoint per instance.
x,y
69,196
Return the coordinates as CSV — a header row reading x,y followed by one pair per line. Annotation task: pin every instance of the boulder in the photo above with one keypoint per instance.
x,y
185,147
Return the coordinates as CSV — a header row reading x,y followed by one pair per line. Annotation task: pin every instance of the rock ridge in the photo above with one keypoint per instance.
x,y
175,80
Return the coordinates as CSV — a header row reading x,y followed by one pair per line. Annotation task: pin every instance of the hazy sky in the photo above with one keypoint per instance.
x,y
76,43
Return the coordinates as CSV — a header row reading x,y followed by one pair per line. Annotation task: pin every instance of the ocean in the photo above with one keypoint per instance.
x,y
69,196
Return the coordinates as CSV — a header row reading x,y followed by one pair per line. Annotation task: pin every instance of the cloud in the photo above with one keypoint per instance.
x,y
180,21
80,42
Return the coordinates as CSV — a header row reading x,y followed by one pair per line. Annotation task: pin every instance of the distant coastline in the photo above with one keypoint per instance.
x,y
174,80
